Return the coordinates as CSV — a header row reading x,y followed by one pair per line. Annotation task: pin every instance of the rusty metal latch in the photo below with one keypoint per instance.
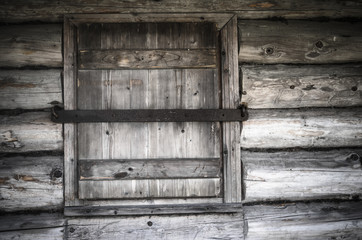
x,y
150,115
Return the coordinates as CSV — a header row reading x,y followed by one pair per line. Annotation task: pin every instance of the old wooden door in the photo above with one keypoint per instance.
x,y
148,65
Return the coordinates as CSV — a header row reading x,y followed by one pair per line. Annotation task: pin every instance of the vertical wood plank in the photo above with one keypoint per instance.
x,y
230,100
70,174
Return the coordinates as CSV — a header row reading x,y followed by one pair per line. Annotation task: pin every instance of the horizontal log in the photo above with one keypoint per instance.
x,y
155,188
202,226
286,86
326,220
42,226
135,59
300,42
133,210
31,45
31,183
302,175
113,169
31,131
45,11
30,89
304,128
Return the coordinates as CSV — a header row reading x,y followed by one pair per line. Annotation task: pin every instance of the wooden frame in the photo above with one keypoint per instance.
x,y
227,25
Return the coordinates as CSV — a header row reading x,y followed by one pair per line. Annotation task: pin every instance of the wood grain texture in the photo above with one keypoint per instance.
x,y
70,140
302,175
134,210
151,59
300,42
204,226
31,45
304,128
42,10
286,86
31,183
149,188
326,220
32,131
113,169
230,100
42,226
30,89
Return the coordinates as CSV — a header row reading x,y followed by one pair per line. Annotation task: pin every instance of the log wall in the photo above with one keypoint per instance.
x,y
300,149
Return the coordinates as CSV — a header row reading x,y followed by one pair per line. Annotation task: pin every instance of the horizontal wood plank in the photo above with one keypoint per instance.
x,y
47,11
31,183
30,89
41,226
31,45
287,86
302,175
300,42
133,210
31,131
326,220
155,188
304,128
201,226
113,169
147,59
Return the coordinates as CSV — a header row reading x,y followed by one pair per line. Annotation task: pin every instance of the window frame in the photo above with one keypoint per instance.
x,y
226,24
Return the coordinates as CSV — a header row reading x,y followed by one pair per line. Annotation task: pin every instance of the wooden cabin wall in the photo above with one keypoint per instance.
x,y
301,146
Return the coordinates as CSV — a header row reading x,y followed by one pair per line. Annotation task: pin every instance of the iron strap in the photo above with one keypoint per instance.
x,y
148,115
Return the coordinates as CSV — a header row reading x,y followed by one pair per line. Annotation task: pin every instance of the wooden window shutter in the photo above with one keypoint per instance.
x,y
182,61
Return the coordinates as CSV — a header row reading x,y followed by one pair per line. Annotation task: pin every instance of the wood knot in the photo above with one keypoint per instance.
x,y
319,44
120,175
149,223
56,173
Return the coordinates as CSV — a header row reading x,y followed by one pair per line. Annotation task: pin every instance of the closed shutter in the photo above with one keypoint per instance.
x,y
143,62
148,66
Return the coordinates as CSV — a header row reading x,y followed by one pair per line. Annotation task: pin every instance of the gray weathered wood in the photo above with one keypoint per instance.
x,y
305,128
32,226
230,100
300,42
204,226
286,86
42,10
32,131
326,220
112,169
134,210
149,188
136,59
70,140
31,45
31,183
30,89
302,175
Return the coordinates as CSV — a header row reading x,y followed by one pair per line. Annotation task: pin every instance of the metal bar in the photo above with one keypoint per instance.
x,y
148,115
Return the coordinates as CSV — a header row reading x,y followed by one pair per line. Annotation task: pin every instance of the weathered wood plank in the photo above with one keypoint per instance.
x,y
134,210
303,128
123,34
326,220
70,99
151,59
155,188
30,89
205,226
31,183
300,42
286,86
31,45
302,175
230,100
42,10
113,169
32,226
31,131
